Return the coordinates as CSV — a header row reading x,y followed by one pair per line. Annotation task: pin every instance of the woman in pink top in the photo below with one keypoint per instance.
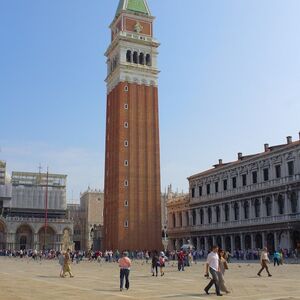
x,y
124,264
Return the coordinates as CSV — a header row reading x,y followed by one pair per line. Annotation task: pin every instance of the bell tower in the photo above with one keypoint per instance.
x,y
132,200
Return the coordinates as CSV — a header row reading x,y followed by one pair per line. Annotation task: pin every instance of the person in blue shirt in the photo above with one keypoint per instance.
x,y
276,258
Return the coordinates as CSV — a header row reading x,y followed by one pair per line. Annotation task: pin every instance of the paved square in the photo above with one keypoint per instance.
x,y
26,279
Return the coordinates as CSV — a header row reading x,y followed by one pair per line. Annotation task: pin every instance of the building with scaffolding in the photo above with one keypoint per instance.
x,y
33,212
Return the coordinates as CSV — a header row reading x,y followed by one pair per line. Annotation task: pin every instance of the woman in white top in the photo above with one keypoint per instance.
x,y
264,260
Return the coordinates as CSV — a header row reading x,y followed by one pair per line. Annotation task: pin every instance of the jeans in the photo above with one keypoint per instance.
x,y
214,280
124,273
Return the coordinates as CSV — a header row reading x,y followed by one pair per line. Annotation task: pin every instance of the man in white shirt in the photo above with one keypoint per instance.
x,y
212,264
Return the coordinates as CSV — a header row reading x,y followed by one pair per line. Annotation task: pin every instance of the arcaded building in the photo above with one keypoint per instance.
x,y
33,212
245,204
132,199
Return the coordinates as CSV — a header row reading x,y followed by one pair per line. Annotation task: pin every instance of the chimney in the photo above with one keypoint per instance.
x,y
289,139
266,147
220,162
240,155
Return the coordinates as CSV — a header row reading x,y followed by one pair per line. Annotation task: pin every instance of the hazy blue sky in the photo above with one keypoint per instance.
x,y
230,82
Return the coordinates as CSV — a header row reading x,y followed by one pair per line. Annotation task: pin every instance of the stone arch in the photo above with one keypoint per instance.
x,y
148,60
46,237
209,243
219,242
202,243
228,244
248,242
129,56
258,241
237,242
24,237
270,242
141,58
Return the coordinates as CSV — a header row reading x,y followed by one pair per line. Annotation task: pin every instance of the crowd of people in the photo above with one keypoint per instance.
x,y
217,261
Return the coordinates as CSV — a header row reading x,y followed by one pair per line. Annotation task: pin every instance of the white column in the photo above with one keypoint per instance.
x,y
198,244
198,216
223,242
287,209
273,212
252,241
222,213
206,243
232,243
263,235
242,237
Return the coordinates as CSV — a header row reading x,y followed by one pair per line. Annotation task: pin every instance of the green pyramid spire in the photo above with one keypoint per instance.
x,y
137,6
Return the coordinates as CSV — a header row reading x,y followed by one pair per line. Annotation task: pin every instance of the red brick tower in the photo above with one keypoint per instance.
x,y
132,205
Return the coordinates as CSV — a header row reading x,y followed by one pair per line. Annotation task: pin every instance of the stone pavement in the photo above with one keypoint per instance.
x,y
26,279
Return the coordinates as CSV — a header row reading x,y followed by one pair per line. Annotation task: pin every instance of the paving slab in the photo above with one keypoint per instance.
x,y
25,279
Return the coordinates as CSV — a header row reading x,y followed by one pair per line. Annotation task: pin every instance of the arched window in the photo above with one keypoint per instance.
x,y
268,207
141,59
218,214
201,216
226,212
194,217
148,60
135,57
246,210
294,202
128,56
209,215
236,212
257,208
280,205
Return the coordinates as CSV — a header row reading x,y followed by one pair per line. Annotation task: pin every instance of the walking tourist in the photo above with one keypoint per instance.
x,y
212,265
181,257
162,263
124,264
61,262
276,258
264,260
67,264
222,266
155,263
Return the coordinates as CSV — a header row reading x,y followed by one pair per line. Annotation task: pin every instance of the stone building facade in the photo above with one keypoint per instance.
x,y
246,204
23,222
132,209
88,220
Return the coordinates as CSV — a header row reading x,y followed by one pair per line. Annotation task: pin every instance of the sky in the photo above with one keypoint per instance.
x,y
229,82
